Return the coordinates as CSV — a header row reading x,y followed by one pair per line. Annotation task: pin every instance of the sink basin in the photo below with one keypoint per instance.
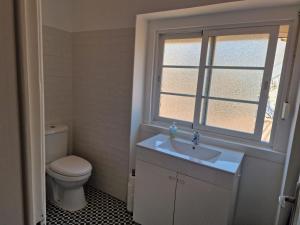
x,y
183,151
199,152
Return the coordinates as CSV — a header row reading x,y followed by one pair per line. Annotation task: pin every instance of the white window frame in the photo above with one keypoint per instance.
x,y
158,73
205,33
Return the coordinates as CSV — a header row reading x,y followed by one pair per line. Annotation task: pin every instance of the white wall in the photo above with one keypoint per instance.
x,y
102,78
85,15
58,79
57,60
57,13
11,197
114,14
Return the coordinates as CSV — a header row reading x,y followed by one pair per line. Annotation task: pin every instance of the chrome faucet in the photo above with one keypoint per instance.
x,y
196,137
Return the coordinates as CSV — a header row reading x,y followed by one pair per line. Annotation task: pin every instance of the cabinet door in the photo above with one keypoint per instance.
x,y
154,195
200,203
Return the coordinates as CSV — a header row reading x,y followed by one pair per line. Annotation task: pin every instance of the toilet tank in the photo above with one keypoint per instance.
x,y
56,145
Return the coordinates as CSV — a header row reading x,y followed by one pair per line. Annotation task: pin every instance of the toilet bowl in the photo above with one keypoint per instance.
x,y
65,179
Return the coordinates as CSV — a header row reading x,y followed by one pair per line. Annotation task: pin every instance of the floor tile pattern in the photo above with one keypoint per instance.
x,y
102,209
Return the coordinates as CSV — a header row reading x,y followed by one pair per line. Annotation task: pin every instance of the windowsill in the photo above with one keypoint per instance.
x,y
265,153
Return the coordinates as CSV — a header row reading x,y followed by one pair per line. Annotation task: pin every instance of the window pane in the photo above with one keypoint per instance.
x,y
241,50
182,52
268,123
274,86
232,115
236,84
177,107
177,80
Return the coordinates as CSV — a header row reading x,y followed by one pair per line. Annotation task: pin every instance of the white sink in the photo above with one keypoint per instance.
x,y
205,155
198,152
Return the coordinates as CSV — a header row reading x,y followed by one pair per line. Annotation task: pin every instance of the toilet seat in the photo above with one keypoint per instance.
x,y
61,177
71,166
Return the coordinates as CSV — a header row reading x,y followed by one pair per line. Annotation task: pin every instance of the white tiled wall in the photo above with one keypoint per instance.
x,y
58,77
102,72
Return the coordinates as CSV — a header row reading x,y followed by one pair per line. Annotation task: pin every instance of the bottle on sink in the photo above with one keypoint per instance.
x,y
173,130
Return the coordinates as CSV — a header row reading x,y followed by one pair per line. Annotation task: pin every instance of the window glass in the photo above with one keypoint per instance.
x,y
241,87
241,50
179,77
232,96
274,85
177,107
179,80
235,84
231,115
182,52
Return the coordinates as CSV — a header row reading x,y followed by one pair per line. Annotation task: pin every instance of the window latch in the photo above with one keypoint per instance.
x,y
285,110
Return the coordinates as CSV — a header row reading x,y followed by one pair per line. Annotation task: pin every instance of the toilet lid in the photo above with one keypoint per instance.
x,y
71,166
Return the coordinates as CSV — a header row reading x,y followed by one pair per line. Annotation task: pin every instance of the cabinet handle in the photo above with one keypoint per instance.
x,y
181,181
172,178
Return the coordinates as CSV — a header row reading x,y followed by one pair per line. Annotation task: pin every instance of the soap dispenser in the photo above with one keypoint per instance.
x,y
173,130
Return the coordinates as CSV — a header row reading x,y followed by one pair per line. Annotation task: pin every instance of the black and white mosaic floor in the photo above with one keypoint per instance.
x,y
102,209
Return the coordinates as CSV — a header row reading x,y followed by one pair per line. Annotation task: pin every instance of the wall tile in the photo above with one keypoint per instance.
x,y
57,46
102,81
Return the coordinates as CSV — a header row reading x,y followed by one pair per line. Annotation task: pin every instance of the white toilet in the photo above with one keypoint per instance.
x,y
66,175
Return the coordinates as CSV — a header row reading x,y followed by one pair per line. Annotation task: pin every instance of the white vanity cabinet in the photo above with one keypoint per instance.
x,y
177,184
164,197
200,203
154,195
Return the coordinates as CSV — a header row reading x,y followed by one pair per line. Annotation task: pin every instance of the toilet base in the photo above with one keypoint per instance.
x,y
67,198
72,200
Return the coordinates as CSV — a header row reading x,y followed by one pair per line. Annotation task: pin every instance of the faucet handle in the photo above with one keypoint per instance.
x,y
196,137
196,132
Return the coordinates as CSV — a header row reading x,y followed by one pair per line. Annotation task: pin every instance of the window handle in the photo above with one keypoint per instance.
x,y
285,110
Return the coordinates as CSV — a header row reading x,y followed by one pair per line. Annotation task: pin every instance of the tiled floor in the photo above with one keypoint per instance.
x,y
102,209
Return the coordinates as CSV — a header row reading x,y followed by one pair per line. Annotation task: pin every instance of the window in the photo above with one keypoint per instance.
x,y
180,70
221,80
